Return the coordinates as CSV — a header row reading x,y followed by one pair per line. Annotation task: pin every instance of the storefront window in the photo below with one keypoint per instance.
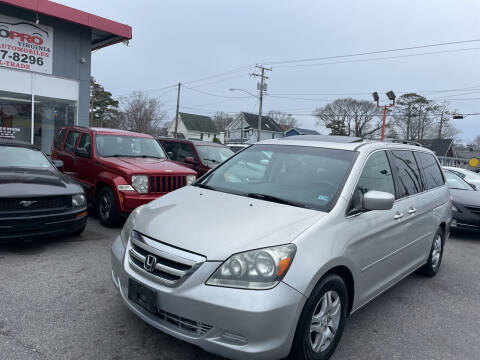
x,y
50,114
15,116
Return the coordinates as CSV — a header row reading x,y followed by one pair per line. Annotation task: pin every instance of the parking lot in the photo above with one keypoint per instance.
x,y
57,301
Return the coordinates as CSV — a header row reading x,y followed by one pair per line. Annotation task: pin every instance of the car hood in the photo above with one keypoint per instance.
x,y
147,165
466,197
35,182
217,225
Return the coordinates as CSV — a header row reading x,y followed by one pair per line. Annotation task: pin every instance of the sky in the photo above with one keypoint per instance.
x,y
193,41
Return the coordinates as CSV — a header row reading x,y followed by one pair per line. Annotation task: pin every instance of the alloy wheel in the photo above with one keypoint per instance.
x,y
436,251
325,321
105,207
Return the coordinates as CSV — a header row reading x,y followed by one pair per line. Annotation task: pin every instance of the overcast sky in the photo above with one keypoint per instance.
x,y
180,40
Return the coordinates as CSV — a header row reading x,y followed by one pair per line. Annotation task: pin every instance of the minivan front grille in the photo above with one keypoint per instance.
x,y
184,323
160,262
166,183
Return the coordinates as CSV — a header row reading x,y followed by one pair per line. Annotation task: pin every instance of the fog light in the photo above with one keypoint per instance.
x,y
82,214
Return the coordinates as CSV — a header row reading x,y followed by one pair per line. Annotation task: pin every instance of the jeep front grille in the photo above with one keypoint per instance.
x,y
166,183
171,265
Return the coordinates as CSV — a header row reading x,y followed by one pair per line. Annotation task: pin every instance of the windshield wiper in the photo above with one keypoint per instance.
x,y
276,199
205,186
148,156
212,160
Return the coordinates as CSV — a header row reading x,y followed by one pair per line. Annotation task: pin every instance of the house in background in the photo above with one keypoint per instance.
x,y
299,131
244,129
195,127
441,147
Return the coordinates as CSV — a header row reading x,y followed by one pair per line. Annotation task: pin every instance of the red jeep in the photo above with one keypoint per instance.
x,y
119,170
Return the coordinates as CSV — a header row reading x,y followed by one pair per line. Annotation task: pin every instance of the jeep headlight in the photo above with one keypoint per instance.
x,y
191,179
140,183
257,269
128,227
79,200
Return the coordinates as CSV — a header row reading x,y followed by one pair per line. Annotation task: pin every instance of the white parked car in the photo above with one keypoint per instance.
x,y
467,175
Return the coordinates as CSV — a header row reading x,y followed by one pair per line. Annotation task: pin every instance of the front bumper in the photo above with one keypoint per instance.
x,y
241,324
41,226
465,219
130,200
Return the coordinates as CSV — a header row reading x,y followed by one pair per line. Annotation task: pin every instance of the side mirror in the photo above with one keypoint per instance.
x,y
170,154
58,164
378,200
190,160
82,153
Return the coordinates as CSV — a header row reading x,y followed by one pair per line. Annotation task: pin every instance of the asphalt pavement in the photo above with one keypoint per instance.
x,y
57,301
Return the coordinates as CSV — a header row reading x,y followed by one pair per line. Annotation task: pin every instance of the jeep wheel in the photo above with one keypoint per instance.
x,y
107,208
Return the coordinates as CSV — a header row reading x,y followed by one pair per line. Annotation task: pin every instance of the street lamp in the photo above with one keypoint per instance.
x,y
391,96
245,91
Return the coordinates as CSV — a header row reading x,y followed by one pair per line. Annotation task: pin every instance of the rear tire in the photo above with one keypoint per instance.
x,y
322,320
107,211
432,266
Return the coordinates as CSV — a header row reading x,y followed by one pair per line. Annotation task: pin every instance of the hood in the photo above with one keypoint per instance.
x,y
217,225
35,182
147,165
466,197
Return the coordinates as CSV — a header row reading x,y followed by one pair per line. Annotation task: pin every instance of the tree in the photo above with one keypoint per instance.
x,y
283,118
222,120
350,117
443,127
103,107
411,119
142,113
477,141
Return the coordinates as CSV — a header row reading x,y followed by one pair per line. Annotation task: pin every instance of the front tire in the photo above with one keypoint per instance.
x,y
432,266
107,208
322,320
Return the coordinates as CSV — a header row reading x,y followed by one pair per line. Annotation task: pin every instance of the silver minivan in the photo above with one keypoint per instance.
x,y
267,255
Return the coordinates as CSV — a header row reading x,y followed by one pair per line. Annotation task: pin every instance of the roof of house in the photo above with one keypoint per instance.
x,y
104,31
302,131
438,146
268,123
198,123
285,128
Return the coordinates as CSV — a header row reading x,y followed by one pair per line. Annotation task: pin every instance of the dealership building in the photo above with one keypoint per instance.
x,y
45,63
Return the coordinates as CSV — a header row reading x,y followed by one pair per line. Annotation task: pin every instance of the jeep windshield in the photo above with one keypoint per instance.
x,y
307,177
128,146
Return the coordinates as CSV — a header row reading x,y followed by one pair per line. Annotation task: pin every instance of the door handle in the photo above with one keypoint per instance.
x,y
398,215
412,211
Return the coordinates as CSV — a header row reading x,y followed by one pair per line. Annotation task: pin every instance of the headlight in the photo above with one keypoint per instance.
x,y
191,179
128,227
257,269
79,200
140,183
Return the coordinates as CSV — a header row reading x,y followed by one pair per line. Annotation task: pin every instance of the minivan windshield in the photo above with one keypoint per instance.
x,y
129,146
18,157
307,177
213,154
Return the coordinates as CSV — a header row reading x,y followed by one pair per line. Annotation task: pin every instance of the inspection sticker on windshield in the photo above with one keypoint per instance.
x,y
322,197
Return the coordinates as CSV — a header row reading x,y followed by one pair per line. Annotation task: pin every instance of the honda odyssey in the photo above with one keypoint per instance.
x,y
268,254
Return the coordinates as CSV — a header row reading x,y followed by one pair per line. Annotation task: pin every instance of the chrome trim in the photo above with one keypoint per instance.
x,y
158,266
149,275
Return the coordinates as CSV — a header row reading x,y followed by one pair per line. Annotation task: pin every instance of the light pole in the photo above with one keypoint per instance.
x,y
249,93
391,96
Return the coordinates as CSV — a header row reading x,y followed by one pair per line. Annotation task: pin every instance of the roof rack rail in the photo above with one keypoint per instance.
x,y
407,142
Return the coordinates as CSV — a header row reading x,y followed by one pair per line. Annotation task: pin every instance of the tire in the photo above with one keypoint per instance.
x,y
432,266
308,345
107,211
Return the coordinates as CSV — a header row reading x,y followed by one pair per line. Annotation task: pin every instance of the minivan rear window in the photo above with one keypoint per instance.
x,y
308,177
408,174
431,173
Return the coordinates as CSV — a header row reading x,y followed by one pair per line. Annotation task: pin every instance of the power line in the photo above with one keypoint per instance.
x,y
371,52
378,58
216,95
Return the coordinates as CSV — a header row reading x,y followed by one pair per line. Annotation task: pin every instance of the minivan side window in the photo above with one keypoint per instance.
x,y
432,175
376,175
408,174
71,141
60,136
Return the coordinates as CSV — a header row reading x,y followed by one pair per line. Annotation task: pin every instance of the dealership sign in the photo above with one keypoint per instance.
x,y
25,45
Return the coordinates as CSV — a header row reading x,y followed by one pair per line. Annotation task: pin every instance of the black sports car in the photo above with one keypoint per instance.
x,y
36,200
466,202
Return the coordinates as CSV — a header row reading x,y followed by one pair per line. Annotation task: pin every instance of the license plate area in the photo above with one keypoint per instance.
x,y
142,296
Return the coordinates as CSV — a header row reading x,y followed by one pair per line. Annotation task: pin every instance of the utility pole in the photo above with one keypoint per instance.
x,y
176,114
260,97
